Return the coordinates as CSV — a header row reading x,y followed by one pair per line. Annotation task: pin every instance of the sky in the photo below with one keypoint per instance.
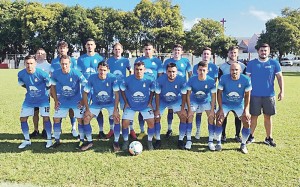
x,y
243,17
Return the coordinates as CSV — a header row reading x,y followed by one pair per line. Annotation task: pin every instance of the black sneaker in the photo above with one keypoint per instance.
x,y
181,144
269,141
238,139
250,139
101,135
169,133
56,144
44,134
223,138
125,146
86,146
157,144
150,146
35,133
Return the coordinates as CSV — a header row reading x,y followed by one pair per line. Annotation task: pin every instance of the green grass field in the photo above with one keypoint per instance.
x,y
65,166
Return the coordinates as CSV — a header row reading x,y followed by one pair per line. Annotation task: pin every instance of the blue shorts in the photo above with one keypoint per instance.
x,y
238,110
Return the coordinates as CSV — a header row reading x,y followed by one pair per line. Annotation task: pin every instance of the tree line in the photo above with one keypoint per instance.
x,y
27,26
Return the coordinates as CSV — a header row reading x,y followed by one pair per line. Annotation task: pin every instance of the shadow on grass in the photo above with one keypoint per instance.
x,y
291,74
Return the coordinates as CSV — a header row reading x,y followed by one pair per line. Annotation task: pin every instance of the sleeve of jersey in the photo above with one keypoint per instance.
x,y
157,87
47,79
20,81
189,85
221,84
87,88
213,89
189,67
216,72
74,63
83,80
53,79
184,88
277,67
159,66
248,69
123,85
116,85
195,70
78,65
248,85
152,86
128,66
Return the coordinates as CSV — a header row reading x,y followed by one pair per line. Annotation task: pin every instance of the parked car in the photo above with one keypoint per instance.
x,y
296,61
286,62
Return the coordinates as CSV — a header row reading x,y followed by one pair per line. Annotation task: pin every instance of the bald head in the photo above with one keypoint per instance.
x,y
235,70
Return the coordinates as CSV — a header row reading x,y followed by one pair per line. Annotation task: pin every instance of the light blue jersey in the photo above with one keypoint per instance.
x,y
201,89
36,86
212,70
103,90
118,67
87,65
68,87
183,65
55,64
153,66
170,92
137,91
234,90
262,77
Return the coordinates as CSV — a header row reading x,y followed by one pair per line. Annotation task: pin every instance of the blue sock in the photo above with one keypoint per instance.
x,y
211,132
157,130
48,128
111,123
117,129
25,130
88,132
150,133
131,125
141,122
245,134
189,127
57,130
170,120
218,131
198,121
182,130
81,132
73,120
100,121
125,133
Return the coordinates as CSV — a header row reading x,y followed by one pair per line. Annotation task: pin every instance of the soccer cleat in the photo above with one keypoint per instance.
x,y
109,134
44,134
133,135
24,144
35,133
169,133
223,138
244,149
238,139
188,145
150,145
218,147
86,146
101,135
125,145
211,146
74,133
180,144
141,135
269,141
56,144
157,144
116,146
80,144
197,135
250,139
48,144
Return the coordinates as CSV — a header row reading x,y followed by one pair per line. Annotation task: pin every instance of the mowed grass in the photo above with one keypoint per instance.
x,y
100,166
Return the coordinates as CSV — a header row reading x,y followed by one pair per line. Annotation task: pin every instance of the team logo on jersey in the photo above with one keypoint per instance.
x,y
170,96
121,64
144,85
107,84
176,86
239,85
233,97
205,86
103,96
95,61
36,79
71,79
182,65
209,69
153,63
200,94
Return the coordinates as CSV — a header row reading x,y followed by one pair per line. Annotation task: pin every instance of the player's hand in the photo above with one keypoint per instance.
x,y
156,114
126,105
56,105
247,117
150,106
88,114
80,104
116,115
280,96
211,115
220,115
182,113
189,114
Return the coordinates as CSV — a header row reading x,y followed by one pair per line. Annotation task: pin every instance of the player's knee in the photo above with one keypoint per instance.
x,y
56,120
211,120
46,118
86,119
23,119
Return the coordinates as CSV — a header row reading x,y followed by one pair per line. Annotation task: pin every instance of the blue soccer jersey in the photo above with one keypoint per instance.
x,y
170,92
137,91
87,65
262,77
36,86
234,90
68,87
212,70
153,66
103,90
183,65
55,64
118,67
201,89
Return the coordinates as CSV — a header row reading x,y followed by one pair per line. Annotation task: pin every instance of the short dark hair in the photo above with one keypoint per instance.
x,y
28,57
40,49
233,47
171,65
139,63
206,48
202,64
148,44
64,57
177,46
103,63
90,40
62,44
263,45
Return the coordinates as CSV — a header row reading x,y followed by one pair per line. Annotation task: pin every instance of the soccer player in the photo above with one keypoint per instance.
x,y
169,93
201,96
55,65
118,66
262,72
87,64
184,67
65,90
224,69
234,95
154,69
137,92
213,73
45,66
105,95
36,82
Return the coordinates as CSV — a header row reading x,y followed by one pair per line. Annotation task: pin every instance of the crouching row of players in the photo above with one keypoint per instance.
x,y
139,93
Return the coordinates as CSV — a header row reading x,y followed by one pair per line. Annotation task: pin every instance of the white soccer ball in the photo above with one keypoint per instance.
x,y
135,148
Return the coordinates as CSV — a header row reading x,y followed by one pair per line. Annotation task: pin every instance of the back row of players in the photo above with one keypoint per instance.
x,y
85,88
